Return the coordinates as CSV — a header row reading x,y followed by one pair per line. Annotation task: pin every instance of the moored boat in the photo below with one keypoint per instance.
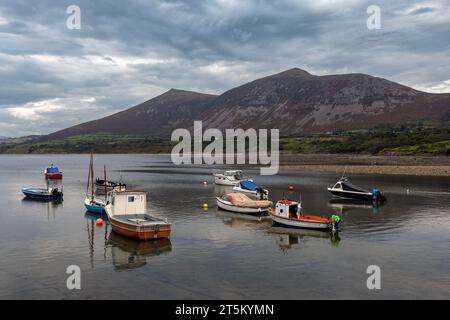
x,y
238,202
91,203
127,214
228,178
43,194
103,184
53,173
290,213
343,188
250,188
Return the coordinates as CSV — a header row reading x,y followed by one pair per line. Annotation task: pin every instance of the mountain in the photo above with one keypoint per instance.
x,y
293,101
296,101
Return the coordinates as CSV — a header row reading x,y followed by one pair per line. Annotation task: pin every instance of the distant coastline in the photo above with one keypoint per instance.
x,y
368,164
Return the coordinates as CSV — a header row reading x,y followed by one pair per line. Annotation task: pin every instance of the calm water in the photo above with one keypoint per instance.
x,y
214,254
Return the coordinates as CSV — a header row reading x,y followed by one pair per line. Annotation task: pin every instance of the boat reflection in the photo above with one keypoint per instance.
x,y
234,219
90,228
343,206
128,254
286,238
220,190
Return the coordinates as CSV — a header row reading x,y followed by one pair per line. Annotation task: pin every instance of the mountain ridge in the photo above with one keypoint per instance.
x,y
294,101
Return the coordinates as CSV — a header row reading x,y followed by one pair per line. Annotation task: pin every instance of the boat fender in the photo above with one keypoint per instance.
x,y
335,220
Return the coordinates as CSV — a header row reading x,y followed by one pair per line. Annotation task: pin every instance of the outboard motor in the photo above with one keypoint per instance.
x,y
376,195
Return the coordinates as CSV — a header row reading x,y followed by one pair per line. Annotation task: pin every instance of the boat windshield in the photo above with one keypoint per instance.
x,y
233,173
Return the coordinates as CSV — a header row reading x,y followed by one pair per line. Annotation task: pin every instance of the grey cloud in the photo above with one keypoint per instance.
x,y
127,52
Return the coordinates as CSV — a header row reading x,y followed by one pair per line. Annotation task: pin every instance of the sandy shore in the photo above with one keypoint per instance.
x,y
394,165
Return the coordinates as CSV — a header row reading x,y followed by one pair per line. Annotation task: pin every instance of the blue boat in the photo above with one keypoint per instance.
x,y
94,205
91,203
250,188
42,194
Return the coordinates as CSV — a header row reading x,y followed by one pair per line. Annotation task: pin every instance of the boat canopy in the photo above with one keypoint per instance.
x,y
52,170
241,200
248,185
348,186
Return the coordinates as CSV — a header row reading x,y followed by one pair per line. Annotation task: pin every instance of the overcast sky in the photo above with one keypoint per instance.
x,y
127,52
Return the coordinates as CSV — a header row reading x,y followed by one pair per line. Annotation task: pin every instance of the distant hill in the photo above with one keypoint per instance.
x,y
294,101
157,116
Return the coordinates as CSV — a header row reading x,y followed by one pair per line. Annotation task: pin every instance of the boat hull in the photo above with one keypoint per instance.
x,y
54,176
351,195
227,206
94,208
41,195
298,223
144,232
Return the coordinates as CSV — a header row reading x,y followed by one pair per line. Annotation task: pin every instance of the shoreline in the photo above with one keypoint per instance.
x,y
438,171
368,164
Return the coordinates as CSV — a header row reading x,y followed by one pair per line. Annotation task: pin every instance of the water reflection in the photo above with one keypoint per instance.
x,y
286,238
234,219
128,254
343,206
35,205
90,228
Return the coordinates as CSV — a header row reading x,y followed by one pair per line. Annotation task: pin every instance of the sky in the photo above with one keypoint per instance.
x,y
126,52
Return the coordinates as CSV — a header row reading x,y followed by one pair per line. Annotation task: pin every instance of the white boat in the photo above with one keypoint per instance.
x,y
228,178
290,213
250,188
237,202
127,214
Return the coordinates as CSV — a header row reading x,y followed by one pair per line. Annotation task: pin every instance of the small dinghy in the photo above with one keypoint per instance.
x,y
290,213
238,202
250,188
345,189
127,214
41,194
53,173
228,178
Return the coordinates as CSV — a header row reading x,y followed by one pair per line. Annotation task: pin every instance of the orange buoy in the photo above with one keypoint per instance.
x,y
99,221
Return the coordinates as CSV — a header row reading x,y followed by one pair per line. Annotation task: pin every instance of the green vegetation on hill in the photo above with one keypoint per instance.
x,y
97,143
402,140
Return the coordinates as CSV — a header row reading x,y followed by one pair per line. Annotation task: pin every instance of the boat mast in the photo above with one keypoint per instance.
x,y
92,177
89,177
106,192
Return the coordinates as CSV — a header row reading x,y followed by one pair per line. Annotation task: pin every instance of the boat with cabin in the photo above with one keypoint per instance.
x,y
53,173
290,213
252,189
127,214
229,177
240,203
343,188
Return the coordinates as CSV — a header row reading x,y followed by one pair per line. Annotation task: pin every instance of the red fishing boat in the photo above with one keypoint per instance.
x,y
53,173
127,214
290,213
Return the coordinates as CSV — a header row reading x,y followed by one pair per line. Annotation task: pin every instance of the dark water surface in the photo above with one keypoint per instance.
x,y
214,254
